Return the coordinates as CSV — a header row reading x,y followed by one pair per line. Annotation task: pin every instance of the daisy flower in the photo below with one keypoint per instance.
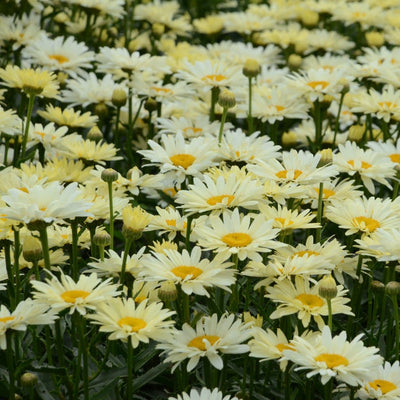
x,y
317,83
210,337
179,157
49,203
288,220
244,235
114,8
111,266
385,384
216,196
204,394
363,215
125,320
388,149
297,166
301,299
37,81
168,221
58,54
27,312
350,362
68,116
89,89
64,293
208,74
370,165
189,270
236,146
10,123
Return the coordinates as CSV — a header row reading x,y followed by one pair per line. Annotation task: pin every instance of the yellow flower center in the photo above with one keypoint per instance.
x,y
359,14
395,158
161,89
283,221
199,343
387,104
214,77
364,164
6,319
366,223
184,271
279,108
139,299
170,191
59,58
284,346
70,296
212,201
318,84
326,193
23,189
171,222
329,68
41,134
182,160
332,360
310,300
384,386
192,129
136,324
237,239
307,253
283,174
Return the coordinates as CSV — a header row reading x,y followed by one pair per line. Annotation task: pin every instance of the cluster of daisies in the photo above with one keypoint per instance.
x,y
212,189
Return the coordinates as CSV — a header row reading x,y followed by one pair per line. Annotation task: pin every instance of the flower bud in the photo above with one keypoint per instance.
x,y
158,29
251,68
295,61
95,134
226,99
392,288
167,291
356,132
377,286
327,287
326,157
32,249
374,39
102,238
109,175
309,17
101,110
29,379
289,139
119,97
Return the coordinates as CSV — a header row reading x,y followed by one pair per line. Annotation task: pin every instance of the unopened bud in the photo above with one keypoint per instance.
x,y
326,157
95,134
295,61
119,97
167,291
392,288
356,132
150,105
32,249
327,287
102,238
226,99
309,18
28,379
289,139
377,286
158,29
109,175
374,39
251,68
101,110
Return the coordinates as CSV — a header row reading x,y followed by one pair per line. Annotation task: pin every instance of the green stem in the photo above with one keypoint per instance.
x,y
250,113
10,365
129,386
17,275
116,136
329,302
27,122
337,119
84,354
319,212
111,208
74,253
329,390
128,244
45,247
188,232
397,326
214,99
221,127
